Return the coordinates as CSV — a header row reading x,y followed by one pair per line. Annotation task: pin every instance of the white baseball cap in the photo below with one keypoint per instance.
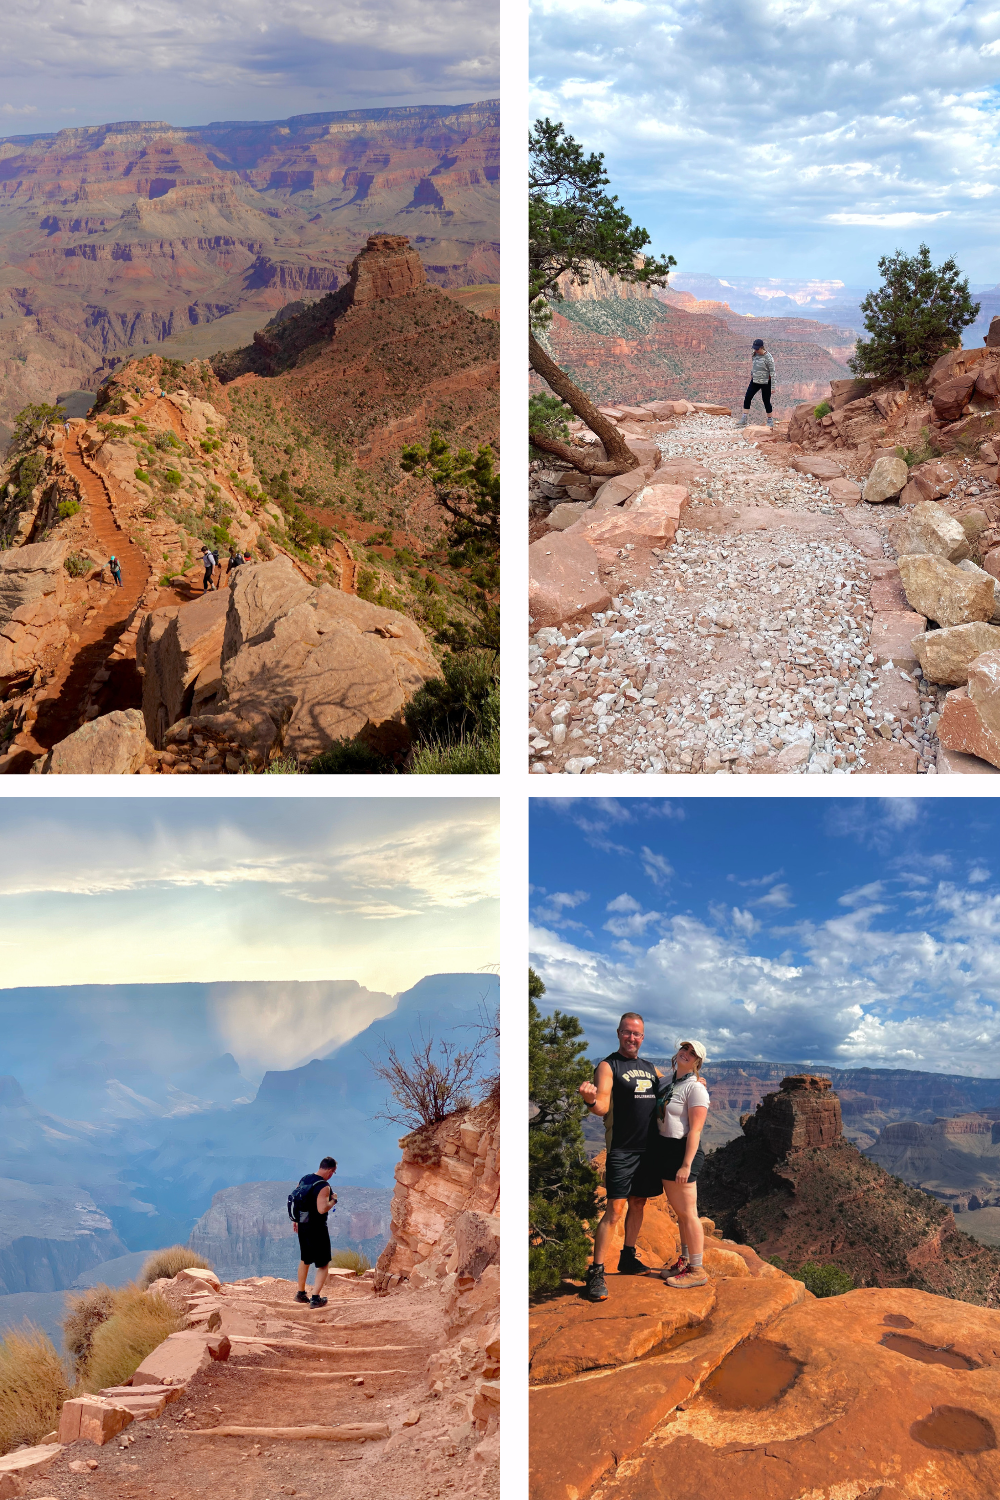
x,y
698,1047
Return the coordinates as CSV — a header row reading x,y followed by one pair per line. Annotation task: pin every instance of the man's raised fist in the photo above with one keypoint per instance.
x,y
589,1094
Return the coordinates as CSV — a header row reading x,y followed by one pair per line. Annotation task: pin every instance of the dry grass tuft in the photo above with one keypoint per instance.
x,y
350,1260
166,1263
138,1323
32,1386
85,1312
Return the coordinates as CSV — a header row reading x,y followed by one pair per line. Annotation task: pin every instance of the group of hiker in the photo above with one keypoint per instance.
x,y
652,1126
310,1203
210,561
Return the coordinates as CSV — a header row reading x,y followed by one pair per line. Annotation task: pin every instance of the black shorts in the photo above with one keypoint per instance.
x,y
670,1158
314,1245
632,1174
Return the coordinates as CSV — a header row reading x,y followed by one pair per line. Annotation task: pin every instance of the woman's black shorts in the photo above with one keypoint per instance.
x,y
670,1158
632,1174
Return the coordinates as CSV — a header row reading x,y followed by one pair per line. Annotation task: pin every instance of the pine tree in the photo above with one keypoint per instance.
x,y
561,1181
914,317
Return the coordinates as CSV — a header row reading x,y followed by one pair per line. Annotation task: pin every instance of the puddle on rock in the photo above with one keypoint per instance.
x,y
955,1430
897,1320
928,1354
754,1375
676,1340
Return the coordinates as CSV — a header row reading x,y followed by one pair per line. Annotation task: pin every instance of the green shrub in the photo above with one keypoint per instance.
x,y
462,705
927,450
77,566
29,473
822,1281
167,440
549,416
142,476
68,508
467,758
166,1263
32,1387
822,410
286,765
138,1323
85,1312
350,1260
351,758
173,477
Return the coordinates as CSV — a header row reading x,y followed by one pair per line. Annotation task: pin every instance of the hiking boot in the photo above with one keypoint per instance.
x,y
743,419
596,1289
629,1263
689,1277
302,1296
315,1301
770,421
679,1265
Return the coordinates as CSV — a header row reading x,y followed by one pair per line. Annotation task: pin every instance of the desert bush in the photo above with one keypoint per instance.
x,y
350,1260
461,705
351,758
142,476
166,440
927,450
85,1312
173,477
32,1387
476,757
166,1263
68,508
285,765
139,1322
77,566
822,1281
822,410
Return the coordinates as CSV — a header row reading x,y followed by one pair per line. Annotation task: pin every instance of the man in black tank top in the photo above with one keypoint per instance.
x,y
624,1093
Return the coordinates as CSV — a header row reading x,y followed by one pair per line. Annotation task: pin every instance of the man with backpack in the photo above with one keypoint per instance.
x,y
209,560
116,571
309,1203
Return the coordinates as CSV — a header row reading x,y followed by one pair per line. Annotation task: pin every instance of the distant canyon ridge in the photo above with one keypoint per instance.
x,y
119,237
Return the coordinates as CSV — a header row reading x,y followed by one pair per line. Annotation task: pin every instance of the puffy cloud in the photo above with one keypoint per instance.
x,y
797,140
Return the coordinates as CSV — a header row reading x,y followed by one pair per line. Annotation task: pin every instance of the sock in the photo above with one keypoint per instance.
x,y
696,1260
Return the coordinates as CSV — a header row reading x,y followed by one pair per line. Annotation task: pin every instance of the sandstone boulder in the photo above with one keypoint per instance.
x,y
988,382
649,519
943,592
945,655
844,491
113,745
818,466
636,414
886,480
562,516
339,666
619,489
173,648
973,570
935,478
929,528
992,338
92,1419
176,1361
962,729
563,581
27,573
951,395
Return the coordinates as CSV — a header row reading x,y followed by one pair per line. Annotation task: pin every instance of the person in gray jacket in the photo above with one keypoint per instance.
x,y
761,376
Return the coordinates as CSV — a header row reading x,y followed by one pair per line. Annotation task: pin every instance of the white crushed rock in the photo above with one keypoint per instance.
x,y
740,651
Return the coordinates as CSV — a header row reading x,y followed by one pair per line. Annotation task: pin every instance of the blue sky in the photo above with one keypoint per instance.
x,y
795,139
84,62
376,890
855,932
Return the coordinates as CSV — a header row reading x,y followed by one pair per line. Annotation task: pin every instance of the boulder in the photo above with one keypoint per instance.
x,y
26,1464
958,763
992,338
176,1361
173,648
935,479
92,1419
818,466
886,480
113,745
945,655
650,519
562,516
844,491
962,729
929,528
991,563
337,665
619,489
636,414
943,592
951,395
988,382
955,362
975,571
26,573
477,1243
892,637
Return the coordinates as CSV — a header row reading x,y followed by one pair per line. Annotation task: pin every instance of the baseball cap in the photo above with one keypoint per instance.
x,y
698,1047
758,343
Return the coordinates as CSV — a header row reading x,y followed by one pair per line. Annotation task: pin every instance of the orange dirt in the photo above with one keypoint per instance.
x,y
357,1331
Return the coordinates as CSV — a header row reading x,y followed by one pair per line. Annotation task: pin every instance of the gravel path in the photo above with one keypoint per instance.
x,y
744,647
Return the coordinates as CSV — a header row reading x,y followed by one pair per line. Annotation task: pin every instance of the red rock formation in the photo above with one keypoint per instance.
x,y
387,267
806,1113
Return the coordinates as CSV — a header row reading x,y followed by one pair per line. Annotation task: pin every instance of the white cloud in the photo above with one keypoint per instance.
x,y
778,898
863,894
744,922
632,921
553,909
658,869
888,221
978,874
624,902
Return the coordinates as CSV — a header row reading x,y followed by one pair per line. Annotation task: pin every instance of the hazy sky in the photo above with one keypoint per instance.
x,y
853,932
793,139
378,890
87,62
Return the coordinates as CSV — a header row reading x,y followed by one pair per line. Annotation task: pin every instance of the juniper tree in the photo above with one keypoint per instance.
x,y
914,317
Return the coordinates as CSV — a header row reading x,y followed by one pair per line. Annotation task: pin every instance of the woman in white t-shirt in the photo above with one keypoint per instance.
x,y
681,1115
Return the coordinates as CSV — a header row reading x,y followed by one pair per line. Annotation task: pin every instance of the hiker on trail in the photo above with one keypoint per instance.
x,y
308,1205
761,376
116,571
624,1093
236,560
209,560
681,1112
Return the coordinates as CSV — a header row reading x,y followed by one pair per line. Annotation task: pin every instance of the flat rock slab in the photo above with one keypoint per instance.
x,y
26,1463
887,594
585,1426
93,1419
892,637
649,519
844,491
849,1414
818,466
570,1334
563,581
176,1361
885,758
956,763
